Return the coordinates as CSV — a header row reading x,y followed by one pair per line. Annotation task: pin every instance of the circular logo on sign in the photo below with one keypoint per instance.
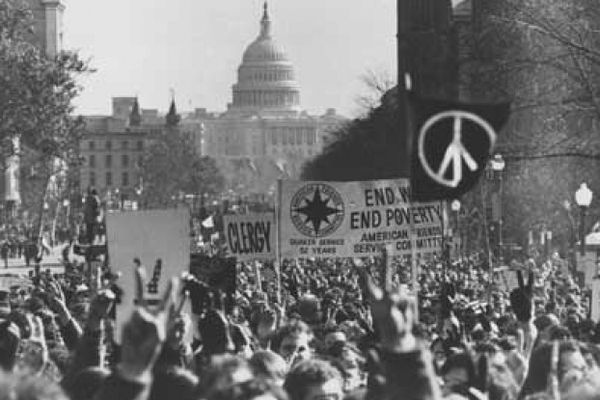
x,y
317,210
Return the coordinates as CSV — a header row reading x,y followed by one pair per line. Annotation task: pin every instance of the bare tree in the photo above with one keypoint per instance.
x,y
376,83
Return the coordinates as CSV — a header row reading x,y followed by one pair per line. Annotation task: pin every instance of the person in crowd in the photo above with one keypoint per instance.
x,y
4,252
269,366
292,342
91,215
313,380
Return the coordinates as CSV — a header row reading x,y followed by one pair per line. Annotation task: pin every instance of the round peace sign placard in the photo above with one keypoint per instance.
x,y
457,152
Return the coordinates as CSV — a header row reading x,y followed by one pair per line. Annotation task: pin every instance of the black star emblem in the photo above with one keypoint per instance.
x,y
317,211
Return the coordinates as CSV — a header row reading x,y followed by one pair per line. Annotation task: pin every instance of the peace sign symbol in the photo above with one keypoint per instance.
x,y
456,151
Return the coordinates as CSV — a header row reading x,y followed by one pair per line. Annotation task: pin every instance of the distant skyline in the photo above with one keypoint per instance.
x,y
147,47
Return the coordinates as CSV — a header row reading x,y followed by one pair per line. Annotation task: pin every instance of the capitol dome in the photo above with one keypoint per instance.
x,y
264,48
266,78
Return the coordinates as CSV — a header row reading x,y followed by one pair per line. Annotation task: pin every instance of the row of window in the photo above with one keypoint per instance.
x,y
109,179
293,137
266,98
124,145
108,161
272,76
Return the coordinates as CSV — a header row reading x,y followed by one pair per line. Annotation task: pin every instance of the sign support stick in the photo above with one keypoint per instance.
x,y
444,238
403,86
414,266
487,246
406,125
278,238
258,277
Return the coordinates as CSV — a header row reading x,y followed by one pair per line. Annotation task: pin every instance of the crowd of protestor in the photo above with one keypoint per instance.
x,y
310,329
21,243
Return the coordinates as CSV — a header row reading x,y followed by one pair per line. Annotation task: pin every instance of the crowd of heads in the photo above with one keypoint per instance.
x,y
305,329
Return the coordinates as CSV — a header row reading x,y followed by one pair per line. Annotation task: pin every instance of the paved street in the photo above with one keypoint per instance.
x,y
17,265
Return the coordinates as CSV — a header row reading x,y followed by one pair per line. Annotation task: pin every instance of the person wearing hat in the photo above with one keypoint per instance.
x,y
10,336
4,247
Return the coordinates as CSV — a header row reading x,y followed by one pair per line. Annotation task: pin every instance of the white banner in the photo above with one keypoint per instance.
x,y
160,239
356,219
250,236
595,302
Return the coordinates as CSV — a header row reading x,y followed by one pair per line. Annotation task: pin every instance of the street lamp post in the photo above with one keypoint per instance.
x,y
572,237
138,192
455,206
117,193
67,207
583,198
498,164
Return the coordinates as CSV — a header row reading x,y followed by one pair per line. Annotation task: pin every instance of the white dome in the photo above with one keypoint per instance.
x,y
266,78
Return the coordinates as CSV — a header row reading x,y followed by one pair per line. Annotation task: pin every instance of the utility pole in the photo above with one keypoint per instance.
x,y
403,86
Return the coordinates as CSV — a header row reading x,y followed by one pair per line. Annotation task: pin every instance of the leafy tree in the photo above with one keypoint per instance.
x,y
365,148
36,92
36,95
172,167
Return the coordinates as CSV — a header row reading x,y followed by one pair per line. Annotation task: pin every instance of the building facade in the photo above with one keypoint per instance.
x,y
111,154
48,25
113,147
264,134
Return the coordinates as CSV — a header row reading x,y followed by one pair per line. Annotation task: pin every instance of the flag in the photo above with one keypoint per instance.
x,y
252,166
281,166
452,143
208,223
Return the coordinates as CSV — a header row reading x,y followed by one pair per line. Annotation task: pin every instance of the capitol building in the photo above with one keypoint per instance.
x,y
264,135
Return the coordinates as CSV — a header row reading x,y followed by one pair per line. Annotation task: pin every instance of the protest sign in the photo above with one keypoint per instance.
x,y
587,264
250,236
218,273
160,239
356,219
595,301
506,278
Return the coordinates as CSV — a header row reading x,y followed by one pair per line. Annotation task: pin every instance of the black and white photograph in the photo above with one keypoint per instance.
x,y
299,200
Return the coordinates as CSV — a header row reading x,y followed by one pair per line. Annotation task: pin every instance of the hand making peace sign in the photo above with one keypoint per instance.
x,y
521,298
144,334
393,313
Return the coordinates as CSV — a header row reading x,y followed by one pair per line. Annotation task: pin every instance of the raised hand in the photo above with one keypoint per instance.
x,y
34,351
331,315
447,299
101,303
364,317
267,324
393,314
177,324
145,333
56,301
521,298
280,309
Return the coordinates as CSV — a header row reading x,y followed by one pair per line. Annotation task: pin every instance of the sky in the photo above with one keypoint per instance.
x,y
147,47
